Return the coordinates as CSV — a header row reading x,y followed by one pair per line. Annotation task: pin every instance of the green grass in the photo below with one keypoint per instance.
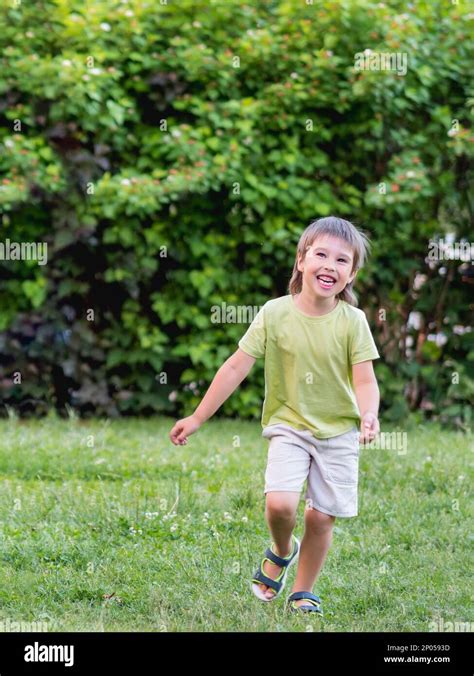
x,y
175,532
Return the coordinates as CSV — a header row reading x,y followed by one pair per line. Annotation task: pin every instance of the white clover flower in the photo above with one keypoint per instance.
x,y
174,527
95,71
367,52
176,133
125,181
227,516
66,62
105,26
245,519
128,12
9,143
452,132
410,174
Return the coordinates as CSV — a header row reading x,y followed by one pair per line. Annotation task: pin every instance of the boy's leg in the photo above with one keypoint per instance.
x,y
287,468
280,513
332,484
315,544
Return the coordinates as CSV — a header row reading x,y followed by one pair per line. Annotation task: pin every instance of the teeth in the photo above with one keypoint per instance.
x,y
326,279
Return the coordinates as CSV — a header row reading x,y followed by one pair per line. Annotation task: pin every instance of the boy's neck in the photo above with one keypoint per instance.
x,y
315,306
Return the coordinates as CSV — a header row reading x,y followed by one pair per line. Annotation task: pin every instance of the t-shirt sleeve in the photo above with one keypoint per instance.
x,y
363,345
254,340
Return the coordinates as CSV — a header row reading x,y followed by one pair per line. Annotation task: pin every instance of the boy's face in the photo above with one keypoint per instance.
x,y
327,257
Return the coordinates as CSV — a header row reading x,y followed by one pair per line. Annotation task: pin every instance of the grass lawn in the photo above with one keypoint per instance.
x,y
106,526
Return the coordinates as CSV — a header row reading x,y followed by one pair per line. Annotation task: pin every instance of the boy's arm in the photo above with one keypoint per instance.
x,y
226,380
368,398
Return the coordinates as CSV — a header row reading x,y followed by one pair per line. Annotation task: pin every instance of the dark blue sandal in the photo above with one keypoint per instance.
x,y
278,584
314,603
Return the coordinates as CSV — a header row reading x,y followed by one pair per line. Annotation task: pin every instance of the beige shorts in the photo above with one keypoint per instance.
x,y
331,467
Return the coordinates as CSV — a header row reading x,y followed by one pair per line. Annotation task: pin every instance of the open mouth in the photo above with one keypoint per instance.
x,y
325,281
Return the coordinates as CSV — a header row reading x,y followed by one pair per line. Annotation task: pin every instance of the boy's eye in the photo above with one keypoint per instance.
x,y
320,253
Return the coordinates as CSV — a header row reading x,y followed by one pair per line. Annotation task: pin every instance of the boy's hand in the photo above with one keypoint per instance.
x,y
369,427
183,428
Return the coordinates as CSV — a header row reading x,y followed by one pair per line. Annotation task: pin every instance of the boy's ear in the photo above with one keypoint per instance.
x,y
303,258
353,276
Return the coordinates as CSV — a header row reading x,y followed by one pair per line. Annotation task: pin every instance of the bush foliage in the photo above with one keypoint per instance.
x,y
171,153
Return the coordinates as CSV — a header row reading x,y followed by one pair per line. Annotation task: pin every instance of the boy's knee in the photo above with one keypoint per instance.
x,y
281,506
319,522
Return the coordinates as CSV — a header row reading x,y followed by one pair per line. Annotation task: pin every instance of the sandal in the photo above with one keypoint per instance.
x,y
314,603
280,581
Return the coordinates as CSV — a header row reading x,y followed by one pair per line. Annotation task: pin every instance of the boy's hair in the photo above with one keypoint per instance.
x,y
335,227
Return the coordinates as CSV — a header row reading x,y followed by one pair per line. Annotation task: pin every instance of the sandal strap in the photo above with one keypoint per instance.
x,y
269,554
297,596
261,577
277,559
308,609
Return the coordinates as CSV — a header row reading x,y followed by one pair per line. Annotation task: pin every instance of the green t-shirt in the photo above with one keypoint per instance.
x,y
308,360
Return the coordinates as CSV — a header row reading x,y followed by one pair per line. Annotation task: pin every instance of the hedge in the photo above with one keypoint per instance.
x,y
171,153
